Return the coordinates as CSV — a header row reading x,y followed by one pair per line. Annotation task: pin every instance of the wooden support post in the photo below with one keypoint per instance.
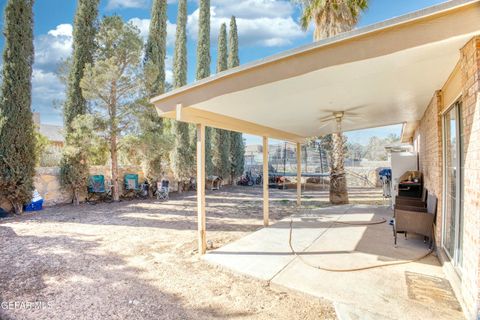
x,y
299,174
202,237
265,182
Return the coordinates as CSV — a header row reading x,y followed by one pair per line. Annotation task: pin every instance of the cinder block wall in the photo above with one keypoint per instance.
x,y
429,141
47,183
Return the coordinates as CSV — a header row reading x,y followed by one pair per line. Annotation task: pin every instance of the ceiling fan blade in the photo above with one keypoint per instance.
x,y
327,119
325,124
355,108
344,110
352,116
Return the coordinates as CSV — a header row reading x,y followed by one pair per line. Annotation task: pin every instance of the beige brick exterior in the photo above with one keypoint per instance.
x,y
470,70
428,139
429,143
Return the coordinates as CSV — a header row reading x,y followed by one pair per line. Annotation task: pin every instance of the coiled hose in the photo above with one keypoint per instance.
x,y
382,265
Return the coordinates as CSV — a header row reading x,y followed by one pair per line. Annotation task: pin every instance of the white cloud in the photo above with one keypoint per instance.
x,y
144,25
266,23
46,90
252,9
53,47
113,4
65,30
118,4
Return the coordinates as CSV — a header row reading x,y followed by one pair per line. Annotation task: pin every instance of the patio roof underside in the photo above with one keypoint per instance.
x,y
379,75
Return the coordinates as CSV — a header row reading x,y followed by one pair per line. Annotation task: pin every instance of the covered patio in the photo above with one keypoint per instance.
x,y
375,76
338,260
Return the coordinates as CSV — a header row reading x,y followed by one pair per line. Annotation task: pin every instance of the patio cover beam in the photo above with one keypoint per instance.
x,y
218,121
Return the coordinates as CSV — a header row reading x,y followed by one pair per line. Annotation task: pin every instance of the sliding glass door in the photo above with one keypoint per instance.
x,y
453,184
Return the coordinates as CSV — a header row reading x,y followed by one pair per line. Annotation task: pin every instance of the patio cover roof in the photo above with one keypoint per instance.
x,y
380,75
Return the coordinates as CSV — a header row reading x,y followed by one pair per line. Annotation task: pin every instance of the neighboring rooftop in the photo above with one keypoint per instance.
x,y
54,133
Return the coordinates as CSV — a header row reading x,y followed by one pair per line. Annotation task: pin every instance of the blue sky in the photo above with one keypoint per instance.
x,y
265,27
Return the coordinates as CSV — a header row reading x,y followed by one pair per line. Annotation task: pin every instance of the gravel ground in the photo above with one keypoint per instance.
x,y
138,260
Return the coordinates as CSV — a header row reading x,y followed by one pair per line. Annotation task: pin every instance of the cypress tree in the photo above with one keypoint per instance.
x,y
17,135
182,159
237,155
74,169
203,69
203,46
84,30
221,138
222,54
180,63
156,47
237,147
151,125
233,59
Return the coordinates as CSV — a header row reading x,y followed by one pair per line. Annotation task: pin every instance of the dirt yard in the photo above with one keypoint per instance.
x,y
138,260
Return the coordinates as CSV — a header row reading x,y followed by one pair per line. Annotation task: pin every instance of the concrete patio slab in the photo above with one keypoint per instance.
x,y
331,238
263,254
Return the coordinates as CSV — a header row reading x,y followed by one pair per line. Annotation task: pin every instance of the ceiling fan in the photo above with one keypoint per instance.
x,y
339,117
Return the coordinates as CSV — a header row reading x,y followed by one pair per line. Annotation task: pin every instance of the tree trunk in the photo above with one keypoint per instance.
x,y
18,208
181,186
338,181
76,197
113,152
321,157
150,190
113,143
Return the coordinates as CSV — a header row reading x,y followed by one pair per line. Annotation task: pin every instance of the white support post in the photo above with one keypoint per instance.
x,y
202,238
265,183
178,112
299,174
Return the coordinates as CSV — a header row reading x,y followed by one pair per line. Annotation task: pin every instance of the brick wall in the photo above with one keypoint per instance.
x,y
470,71
428,139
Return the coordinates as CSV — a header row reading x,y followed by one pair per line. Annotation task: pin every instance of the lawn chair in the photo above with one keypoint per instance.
x,y
96,188
131,185
163,189
416,221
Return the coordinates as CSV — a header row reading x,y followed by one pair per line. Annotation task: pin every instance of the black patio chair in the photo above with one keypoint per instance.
x,y
419,221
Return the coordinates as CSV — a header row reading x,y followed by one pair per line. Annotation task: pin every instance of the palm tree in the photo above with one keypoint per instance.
x,y
332,17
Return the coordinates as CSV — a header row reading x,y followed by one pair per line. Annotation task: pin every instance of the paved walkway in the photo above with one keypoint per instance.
x,y
416,290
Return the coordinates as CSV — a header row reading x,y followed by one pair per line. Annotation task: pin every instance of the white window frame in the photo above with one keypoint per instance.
x,y
459,183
